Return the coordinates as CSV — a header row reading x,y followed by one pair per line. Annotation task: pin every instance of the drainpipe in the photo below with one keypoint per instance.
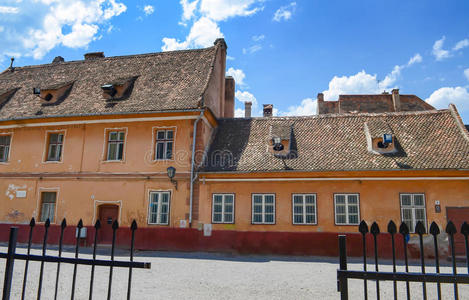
x,y
193,177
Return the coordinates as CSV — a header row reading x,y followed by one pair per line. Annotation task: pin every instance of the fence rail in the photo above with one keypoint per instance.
x,y
343,274
11,256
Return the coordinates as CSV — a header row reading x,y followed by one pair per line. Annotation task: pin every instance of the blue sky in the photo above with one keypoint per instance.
x,y
280,52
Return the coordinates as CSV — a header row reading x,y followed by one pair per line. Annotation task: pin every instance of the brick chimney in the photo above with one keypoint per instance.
x,y
320,104
268,108
58,59
94,55
396,100
229,97
247,109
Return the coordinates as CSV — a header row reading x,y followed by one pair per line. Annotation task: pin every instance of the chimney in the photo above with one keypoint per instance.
x,y
229,97
94,55
396,100
320,104
268,110
58,59
247,109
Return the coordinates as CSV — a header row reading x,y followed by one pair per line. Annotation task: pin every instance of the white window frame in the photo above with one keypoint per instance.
x,y
158,213
165,142
303,205
347,195
223,206
59,147
263,209
6,151
116,142
413,207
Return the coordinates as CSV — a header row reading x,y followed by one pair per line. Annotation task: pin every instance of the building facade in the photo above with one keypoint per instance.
x,y
153,138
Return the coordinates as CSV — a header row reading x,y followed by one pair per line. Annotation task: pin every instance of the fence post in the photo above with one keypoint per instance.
x,y
10,262
343,284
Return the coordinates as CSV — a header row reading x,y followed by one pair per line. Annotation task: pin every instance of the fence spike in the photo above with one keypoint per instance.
x,y
465,228
450,228
419,228
404,229
363,227
392,229
80,224
47,224
374,228
33,222
97,225
115,224
134,225
63,224
434,229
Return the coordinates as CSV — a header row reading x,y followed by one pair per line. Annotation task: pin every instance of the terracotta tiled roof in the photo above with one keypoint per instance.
x,y
424,140
165,81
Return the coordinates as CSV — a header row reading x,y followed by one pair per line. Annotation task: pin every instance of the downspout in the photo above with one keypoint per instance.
x,y
193,177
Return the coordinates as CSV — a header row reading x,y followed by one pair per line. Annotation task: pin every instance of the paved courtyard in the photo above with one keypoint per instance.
x,y
176,275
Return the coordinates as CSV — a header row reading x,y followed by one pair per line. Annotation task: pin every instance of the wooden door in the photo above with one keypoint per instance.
x,y
107,215
458,215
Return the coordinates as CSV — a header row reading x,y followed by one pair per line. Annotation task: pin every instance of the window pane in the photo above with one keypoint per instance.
x,y
164,219
257,199
298,209
269,208
353,209
297,199
164,208
60,138
169,134
217,208
52,152
407,214
53,138
420,215
309,199
169,150
405,200
160,135
310,219
3,153
353,219
112,151
340,209
121,135
352,199
298,219
257,208
269,218
121,151
228,198
418,200
228,208
257,218
340,219
165,197
269,199
310,209
48,197
217,198
113,136
340,199
228,218
159,150
216,217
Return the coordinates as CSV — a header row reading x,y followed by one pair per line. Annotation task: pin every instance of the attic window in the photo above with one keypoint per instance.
x,y
53,94
280,139
118,89
379,137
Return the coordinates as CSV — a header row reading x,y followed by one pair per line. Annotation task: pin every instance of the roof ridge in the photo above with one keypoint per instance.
x,y
108,58
345,115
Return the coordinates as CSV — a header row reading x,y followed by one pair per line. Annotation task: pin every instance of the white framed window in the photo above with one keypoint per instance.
x,y
223,208
263,209
54,151
4,147
48,200
413,210
115,145
347,209
159,208
304,209
164,144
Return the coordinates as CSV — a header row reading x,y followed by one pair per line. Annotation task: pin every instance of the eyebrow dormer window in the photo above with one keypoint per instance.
x,y
379,138
118,89
53,94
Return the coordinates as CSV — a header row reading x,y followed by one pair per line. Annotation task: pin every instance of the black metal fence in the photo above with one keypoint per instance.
x,y
11,256
343,274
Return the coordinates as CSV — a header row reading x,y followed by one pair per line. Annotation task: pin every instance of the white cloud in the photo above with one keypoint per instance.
x,y
202,34
245,97
188,9
461,44
9,10
466,73
219,10
360,83
252,49
417,58
51,23
148,10
258,38
239,113
285,12
438,50
237,74
442,97
307,107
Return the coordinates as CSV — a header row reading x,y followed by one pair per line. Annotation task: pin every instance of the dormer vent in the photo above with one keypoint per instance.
x,y
118,89
58,59
280,143
379,137
53,94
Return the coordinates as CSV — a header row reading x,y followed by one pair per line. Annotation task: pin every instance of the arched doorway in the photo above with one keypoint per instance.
x,y
107,213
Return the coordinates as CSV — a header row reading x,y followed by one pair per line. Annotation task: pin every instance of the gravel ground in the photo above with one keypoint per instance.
x,y
176,275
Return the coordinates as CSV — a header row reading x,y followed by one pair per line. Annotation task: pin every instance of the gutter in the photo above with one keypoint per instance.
x,y
193,178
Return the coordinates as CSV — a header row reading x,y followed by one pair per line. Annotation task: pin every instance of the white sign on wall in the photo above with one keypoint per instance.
x,y
20,194
207,229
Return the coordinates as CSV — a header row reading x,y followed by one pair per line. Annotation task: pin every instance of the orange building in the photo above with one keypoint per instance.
x,y
153,137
